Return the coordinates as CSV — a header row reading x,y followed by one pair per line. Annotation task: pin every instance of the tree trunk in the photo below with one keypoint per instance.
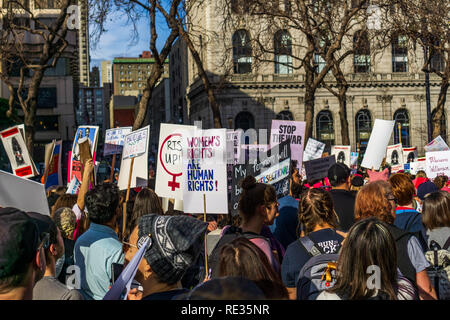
x,y
343,118
439,115
309,113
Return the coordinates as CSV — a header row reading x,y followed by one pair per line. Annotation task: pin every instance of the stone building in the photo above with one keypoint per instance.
x,y
383,85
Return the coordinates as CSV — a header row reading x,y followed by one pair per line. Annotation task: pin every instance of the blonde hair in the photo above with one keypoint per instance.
x,y
66,220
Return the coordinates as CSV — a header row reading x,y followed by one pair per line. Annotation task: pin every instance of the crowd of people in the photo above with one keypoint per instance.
x,y
354,235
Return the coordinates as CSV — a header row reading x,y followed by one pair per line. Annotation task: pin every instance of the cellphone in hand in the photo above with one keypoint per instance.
x,y
116,270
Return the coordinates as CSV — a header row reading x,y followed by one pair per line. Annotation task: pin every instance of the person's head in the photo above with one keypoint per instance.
x,y
55,249
368,244
22,256
436,210
258,201
87,132
295,183
176,242
375,199
402,188
102,203
440,181
242,258
66,221
64,201
421,174
425,188
339,175
315,209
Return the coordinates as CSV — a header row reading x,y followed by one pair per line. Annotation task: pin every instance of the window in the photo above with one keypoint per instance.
x,y
121,92
130,85
43,22
361,47
283,52
46,123
122,85
285,115
401,118
363,125
325,127
242,52
400,54
319,62
244,120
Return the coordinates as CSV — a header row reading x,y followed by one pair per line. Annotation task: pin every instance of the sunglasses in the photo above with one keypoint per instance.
x,y
45,242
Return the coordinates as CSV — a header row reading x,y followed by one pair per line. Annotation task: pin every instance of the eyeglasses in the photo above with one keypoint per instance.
x,y
45,242
392,199
140,243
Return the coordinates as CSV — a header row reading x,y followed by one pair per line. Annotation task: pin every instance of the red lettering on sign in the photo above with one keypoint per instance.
x,y
10,132
24,171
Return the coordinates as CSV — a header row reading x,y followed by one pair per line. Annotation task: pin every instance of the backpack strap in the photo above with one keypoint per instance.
x,y
310,246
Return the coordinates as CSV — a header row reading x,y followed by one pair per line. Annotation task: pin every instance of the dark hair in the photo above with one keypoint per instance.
x,y
402,188
440,181
102,202
368,243
65,201
315,208
242,258
338,174
253,195
436,210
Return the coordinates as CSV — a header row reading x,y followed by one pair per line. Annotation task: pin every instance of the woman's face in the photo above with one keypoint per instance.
x,y
130,251
271,213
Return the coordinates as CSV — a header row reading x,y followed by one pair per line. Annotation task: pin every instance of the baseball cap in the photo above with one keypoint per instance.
x,y
19,240
338,173
426,188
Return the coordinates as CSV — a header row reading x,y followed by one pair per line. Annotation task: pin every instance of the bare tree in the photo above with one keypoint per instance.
x,y
28,47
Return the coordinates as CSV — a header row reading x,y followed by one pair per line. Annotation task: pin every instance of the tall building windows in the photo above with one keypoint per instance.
x,y
325,127
401,118
242,52
283,52
363,125
400,54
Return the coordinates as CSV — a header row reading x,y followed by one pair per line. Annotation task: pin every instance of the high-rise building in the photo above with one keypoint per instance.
x,y
95,77
83,40
106,71
93,108
178,81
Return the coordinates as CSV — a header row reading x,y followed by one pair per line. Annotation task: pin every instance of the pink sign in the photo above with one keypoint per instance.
x,y
295,131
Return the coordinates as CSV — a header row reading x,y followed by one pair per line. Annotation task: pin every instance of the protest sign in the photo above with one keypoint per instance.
x,y
313,150
342,154
410,154
52,175
204,171
169,169
354,160
233,146
394,157
294,131
21,163
114,139
437,144
416,166
23,194
74,186
75,164
135,143
318,168
438,163
378,142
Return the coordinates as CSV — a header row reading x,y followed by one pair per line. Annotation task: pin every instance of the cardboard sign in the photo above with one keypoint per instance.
x,y
169,169
14,143
205,171
74,186
437,144
54,175
354,160
342,154
318,169
139,175
114,140
416,166
438,164
136,143
410,154
23,194
294,131
233,146
394,157
75,164
313,150
378,142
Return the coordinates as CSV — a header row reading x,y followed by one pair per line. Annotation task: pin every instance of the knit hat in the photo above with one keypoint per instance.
x,y
177,243
426,188
375,176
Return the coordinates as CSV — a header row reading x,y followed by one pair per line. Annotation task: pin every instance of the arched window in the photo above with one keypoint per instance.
x,y
285,115
443,124
283,52
401,118
400,53
363,125
244,120
242,52
361,47
325,127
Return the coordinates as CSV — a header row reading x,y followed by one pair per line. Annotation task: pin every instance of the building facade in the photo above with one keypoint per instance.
x,y
94,77
106,72
383,85
178,81
93,109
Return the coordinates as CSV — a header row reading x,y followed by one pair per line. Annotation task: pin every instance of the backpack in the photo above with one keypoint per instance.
x,y
318,274
439,271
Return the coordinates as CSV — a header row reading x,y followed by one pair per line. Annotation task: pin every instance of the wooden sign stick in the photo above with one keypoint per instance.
x,y
124,220
111,176
206,252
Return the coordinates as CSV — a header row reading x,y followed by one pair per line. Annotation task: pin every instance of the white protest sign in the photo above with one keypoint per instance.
x,y
24,194
378,142
318,168
394,157
114,140
21,163
410,154
136,143
74,186
313,150
437,144
294,131
416,166
139,174
205,171
438,163
169,169
343,154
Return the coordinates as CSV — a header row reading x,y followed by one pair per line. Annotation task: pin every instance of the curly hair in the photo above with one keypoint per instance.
x,y
66,221
372,201
102,202
316,208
